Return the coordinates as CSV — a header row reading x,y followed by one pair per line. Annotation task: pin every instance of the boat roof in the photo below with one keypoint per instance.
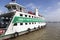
x,y
14,3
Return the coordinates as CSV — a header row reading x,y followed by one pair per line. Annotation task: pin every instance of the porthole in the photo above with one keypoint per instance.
x,y
25,15
29,23
21,23
21,15
25,23
32,16
29,16
2,17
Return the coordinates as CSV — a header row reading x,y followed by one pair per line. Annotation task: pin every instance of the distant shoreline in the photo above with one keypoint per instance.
x,y
53,22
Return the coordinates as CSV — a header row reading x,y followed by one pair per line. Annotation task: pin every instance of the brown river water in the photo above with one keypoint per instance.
x,y
50,32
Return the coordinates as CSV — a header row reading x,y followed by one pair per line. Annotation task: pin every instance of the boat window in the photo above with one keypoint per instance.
x,y
6,17
21,23
20,9
25,15
29,23
29,16
2,17
9,7
2,22
13,6
21,14
25,23
15,24
32,16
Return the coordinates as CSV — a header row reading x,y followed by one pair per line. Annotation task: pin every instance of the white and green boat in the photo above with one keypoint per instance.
x,y
17,21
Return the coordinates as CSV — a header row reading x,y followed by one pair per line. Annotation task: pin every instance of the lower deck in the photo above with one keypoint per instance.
x,y
19,33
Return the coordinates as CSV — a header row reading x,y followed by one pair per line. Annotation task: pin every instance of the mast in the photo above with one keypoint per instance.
x,y
36,11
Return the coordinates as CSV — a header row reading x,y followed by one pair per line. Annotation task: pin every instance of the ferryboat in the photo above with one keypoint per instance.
x,y
18,21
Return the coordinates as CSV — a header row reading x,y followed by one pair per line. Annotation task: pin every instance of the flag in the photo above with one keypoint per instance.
x,y
13,0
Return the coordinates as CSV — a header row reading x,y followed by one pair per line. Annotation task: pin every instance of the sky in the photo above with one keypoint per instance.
x,y
50,9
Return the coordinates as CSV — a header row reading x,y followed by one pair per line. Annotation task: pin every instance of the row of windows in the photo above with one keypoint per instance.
x,y
4,22
25,23
29,16
25,15
5,18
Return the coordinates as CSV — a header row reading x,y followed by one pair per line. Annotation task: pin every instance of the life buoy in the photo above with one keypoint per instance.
x,y
2,31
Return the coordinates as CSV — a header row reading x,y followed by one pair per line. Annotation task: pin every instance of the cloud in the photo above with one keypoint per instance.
x,y
53,12
49,8
58,3
32,6
53,15
0,12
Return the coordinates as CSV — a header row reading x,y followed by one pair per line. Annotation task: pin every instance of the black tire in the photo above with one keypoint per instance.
x,y
42,27
39,27
28,29
34,27
15,35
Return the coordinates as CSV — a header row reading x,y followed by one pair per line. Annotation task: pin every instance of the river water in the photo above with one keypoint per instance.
x,y
51,32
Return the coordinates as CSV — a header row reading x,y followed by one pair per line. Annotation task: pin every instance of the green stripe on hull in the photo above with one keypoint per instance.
x,y
25,19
